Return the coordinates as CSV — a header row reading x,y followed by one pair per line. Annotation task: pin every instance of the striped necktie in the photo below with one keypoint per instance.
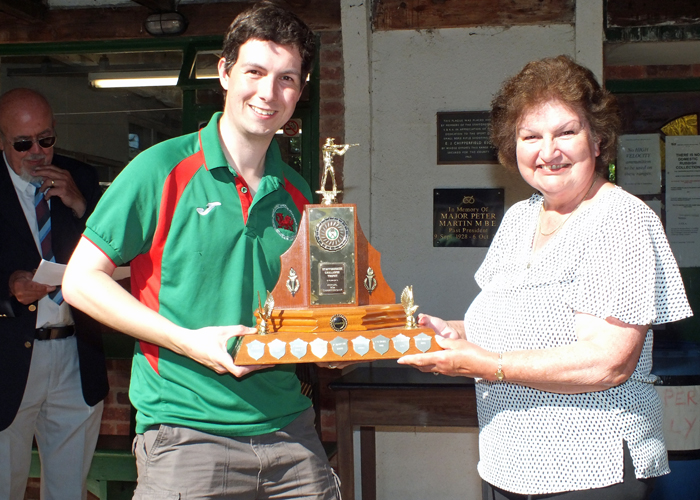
x,y
43,219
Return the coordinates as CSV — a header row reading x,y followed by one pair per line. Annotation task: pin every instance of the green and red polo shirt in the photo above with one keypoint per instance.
x,y
201,249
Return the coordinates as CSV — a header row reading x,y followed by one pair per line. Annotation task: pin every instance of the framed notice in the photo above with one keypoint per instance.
x,y
683,198
639,163
463,137
466,217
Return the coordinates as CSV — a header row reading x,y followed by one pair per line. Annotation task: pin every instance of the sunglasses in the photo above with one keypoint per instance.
x,y
26,144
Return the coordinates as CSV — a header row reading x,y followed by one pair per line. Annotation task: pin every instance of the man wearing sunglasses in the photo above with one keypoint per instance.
x,y
51,363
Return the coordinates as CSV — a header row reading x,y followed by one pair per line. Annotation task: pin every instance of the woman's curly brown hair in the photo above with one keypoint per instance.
x,y
555,79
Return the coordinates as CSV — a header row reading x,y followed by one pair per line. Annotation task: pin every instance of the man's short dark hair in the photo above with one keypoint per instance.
x,y
269,22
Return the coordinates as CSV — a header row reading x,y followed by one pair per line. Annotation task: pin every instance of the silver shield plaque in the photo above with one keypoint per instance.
x,y
380,344
319,348
360,345
422,342
256,349
339,346
298,348
277,348
401,343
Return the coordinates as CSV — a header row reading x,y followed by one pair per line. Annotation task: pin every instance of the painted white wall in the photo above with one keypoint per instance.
x,y
589,36
412,76
395,84
434,462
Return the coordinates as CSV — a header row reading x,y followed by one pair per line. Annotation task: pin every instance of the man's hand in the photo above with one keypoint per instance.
x,y
59,182
26,290
209,347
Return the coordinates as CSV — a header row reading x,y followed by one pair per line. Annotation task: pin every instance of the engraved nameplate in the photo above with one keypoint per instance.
x,y
298,348
380,344
360,345
422,342
331,278
332,265
256,349
277,348
401,343
319,348
339,346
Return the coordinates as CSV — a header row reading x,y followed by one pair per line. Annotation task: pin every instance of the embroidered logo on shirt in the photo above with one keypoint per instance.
x,y
284,222
210,207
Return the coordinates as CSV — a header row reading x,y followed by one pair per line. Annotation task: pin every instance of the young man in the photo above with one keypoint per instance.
x,y
51,363
196,218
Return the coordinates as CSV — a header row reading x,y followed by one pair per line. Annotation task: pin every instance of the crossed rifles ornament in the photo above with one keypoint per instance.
x,y
331,302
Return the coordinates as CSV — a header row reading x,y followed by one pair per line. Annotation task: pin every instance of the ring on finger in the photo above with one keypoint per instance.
x,y
53,183
332,366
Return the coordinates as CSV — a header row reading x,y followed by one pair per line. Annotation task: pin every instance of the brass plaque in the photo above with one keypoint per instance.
x,y
332,255
331,277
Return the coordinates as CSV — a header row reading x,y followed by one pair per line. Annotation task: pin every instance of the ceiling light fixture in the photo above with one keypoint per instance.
x,y
165,24
115,79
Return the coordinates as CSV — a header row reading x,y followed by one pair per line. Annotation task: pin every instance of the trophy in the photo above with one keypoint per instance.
x,y
331,302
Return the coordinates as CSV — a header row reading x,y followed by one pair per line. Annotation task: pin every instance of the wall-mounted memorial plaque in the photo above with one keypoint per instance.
x,y
463,137
466,217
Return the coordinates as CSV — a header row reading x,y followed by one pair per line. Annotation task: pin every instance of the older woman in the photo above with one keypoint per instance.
x,y
559,339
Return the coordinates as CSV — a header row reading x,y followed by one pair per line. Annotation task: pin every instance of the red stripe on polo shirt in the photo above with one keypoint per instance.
x,y
244,195
83,237
297,197
146,268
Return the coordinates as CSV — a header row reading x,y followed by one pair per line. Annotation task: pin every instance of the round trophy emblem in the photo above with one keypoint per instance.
x,y
332,234
339,322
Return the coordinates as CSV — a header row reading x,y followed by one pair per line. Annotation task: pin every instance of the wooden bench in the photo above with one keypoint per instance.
x,y
112,474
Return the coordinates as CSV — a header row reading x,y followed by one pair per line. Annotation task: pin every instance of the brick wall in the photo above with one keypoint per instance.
x,y
332,124
116,417
332,93
648,72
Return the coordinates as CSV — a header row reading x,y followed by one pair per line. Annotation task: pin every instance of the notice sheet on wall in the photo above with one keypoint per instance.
x,y
639,163
683,198
681,411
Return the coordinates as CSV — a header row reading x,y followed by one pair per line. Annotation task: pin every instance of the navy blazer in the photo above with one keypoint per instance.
x,y
18,321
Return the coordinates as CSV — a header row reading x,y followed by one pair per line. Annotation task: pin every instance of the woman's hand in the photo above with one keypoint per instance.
x,y
446,329
460,358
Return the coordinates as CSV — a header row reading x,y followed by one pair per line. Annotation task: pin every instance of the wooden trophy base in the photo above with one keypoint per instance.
x,y
308,336
331,302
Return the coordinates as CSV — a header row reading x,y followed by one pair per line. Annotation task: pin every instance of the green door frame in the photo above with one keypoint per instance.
x,y
192,113
689,328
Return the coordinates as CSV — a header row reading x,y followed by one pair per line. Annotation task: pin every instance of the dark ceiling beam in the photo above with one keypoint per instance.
x,y
25,10
157,5
124,23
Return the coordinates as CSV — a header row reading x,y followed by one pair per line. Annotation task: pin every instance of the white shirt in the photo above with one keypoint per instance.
x,y
612,259
48,312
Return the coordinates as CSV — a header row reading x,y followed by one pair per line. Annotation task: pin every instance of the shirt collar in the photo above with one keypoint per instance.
x,y
214,154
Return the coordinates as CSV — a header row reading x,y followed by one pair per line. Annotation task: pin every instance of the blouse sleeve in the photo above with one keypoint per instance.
x,y
503,242
627,269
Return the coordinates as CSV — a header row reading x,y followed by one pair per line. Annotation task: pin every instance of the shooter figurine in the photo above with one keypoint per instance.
x,y
330,149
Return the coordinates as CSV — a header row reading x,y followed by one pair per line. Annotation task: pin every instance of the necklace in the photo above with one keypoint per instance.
x,y
539,219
